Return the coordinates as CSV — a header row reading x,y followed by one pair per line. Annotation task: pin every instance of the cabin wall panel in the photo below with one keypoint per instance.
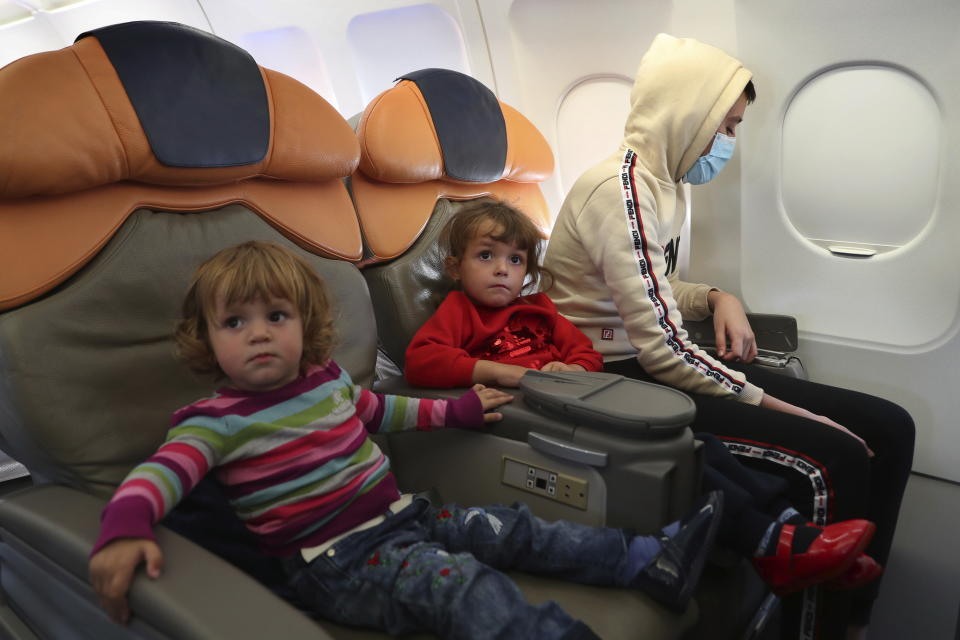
x,y
887,324
57,27
359,47
548,57
25,37
552,58
73,19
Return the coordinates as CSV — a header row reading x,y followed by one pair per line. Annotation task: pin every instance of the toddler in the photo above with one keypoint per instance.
x,y
286,436
488,332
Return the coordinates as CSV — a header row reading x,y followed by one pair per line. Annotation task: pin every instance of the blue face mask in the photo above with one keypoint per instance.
x,y
707,167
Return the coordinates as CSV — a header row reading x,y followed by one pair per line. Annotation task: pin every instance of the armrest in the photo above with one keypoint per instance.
x,y
775,334
518,419
610,403
776,340
556,404
197,596
646,481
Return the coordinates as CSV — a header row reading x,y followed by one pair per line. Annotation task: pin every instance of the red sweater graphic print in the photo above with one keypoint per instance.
x,y
528,333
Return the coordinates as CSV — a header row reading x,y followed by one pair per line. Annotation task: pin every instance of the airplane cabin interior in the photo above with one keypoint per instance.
x,y
139,137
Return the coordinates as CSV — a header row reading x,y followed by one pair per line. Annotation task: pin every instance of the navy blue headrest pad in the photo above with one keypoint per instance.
x,y
468,121
200,99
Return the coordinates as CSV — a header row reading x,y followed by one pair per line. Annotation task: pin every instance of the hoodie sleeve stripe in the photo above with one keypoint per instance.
x,y
652,287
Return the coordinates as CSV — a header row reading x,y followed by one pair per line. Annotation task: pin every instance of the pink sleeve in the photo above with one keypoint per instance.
x,y
381,413
130,517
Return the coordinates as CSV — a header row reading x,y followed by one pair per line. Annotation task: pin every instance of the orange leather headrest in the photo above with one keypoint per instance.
x,y
402,171
75,162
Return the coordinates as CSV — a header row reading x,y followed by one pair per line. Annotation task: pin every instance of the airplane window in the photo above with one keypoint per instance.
x,y
52,24
387,44
861,158
290,50
590,124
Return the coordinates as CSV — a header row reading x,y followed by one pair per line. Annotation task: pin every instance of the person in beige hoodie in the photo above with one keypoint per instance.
x,y
613,253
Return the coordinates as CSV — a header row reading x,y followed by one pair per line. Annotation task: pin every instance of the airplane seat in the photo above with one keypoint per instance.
x,y
128,158
435,140
429,145
415,172
173,145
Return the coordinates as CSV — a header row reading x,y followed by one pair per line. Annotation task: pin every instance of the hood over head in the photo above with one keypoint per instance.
x,y
682,92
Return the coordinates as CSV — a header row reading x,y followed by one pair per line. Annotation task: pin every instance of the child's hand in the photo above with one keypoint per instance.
x,y
498,373
491,399
556,365
111,571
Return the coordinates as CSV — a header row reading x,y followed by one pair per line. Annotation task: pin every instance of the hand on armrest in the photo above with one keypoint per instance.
x,y
731,328
111,571
556,365
196,595
491,399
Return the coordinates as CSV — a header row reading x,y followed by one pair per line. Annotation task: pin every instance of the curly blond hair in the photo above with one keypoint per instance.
x,y
249,271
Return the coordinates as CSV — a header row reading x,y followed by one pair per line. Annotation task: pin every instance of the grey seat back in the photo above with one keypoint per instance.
x,y
173,145
407,290
90,376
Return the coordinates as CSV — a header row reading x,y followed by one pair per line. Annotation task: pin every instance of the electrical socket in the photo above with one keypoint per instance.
x,y
545,482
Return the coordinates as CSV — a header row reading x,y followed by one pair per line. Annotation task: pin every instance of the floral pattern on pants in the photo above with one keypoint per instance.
x,y
438,569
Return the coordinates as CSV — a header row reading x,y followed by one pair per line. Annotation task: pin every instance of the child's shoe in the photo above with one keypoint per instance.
x,y
830,554
863,570
672,575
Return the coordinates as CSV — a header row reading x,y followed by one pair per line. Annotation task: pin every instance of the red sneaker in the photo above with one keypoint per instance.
x,y
833,552
863,570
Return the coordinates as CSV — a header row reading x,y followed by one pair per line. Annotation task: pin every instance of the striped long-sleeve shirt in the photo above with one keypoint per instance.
x,y
296,463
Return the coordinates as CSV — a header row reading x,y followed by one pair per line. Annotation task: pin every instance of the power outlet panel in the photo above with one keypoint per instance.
x,y
545,482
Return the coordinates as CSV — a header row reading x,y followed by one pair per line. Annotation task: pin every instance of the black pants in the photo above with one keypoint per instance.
x,y
829,474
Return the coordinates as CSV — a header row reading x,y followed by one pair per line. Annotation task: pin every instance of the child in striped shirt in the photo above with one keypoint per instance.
x,y
287,439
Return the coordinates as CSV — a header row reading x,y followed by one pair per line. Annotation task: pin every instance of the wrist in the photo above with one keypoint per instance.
x,y
713,298
490,373
484,372
465,412
127,517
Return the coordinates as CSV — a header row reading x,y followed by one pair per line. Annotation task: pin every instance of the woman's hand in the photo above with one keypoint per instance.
x,y
491,399
735,339
769,402
556,365
830,423
111,571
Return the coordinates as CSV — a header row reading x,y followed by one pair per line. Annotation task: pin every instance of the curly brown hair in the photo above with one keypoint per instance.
x,y
510,226
249,271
